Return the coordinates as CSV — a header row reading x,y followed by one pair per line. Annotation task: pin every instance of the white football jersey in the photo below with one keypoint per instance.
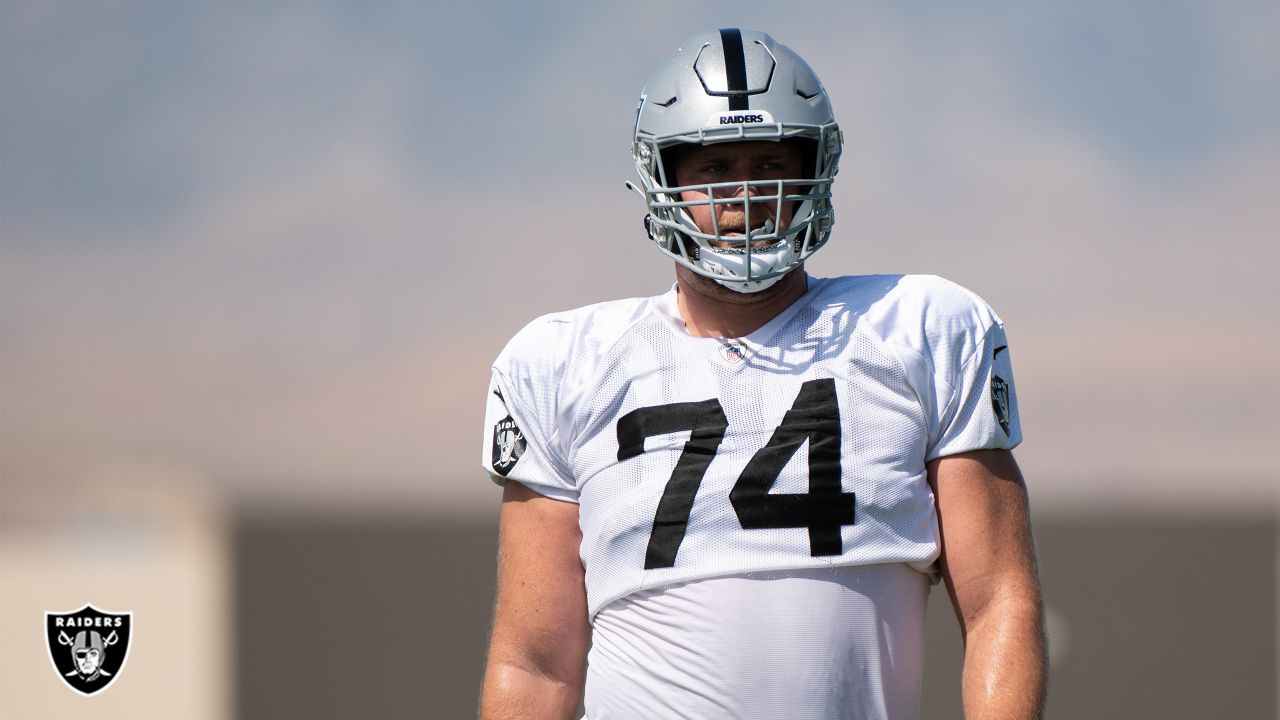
x,y
798,449
843,643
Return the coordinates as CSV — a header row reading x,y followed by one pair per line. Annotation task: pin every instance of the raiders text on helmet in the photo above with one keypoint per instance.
x,y
726,86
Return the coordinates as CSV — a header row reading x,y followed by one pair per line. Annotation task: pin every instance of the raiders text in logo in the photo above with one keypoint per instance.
x,y
88,647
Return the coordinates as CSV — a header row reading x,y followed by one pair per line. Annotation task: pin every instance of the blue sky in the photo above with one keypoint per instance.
x,y
285,239
115,109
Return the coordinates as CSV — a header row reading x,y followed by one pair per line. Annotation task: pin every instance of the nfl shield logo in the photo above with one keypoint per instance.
x,y
88,647
731,353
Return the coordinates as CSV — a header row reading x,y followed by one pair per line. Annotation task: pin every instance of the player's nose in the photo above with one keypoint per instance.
x,y
745,189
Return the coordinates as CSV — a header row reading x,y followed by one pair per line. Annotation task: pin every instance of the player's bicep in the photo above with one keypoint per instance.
x,y
540,619
987,550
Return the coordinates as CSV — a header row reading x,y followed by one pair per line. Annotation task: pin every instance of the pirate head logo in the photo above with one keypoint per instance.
x,y
88,647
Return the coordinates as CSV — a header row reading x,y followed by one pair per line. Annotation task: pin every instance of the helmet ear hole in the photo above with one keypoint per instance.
x,y
808,155
667,160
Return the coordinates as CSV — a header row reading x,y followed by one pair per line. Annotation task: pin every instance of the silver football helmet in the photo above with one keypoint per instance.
x,y
727,86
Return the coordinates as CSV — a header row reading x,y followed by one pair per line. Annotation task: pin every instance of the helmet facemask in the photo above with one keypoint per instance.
x,y
755,253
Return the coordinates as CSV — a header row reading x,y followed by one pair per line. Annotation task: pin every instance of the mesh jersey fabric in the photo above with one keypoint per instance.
x,y
919,369
844,643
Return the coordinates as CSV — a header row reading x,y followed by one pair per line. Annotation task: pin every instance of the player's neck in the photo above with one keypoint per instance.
x,y
711,310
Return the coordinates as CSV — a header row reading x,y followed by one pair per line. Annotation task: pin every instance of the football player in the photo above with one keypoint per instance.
x,y
730,500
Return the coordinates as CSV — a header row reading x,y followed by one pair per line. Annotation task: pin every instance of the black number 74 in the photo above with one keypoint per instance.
x,y
815,416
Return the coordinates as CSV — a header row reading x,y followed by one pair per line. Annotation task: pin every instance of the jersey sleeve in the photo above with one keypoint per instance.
x,y
521,422
978,405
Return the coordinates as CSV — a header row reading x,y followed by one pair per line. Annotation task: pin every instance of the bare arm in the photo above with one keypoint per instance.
x,y
538,650
989,566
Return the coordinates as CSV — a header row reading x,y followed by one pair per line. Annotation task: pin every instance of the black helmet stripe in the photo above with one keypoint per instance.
x,y
735,67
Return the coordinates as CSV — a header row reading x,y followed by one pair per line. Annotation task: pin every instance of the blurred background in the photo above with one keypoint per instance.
x,y
255,260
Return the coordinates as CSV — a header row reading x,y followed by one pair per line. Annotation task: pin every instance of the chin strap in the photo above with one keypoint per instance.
x,y
748,287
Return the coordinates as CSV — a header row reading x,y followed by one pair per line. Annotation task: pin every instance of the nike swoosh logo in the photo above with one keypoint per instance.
x,y
997,352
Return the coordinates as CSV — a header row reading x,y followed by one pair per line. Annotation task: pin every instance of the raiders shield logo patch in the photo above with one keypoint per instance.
x,y
88,647
1000,393
508,445
1000,401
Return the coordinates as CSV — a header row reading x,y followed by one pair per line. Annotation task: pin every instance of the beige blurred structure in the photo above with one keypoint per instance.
x,y
154,545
